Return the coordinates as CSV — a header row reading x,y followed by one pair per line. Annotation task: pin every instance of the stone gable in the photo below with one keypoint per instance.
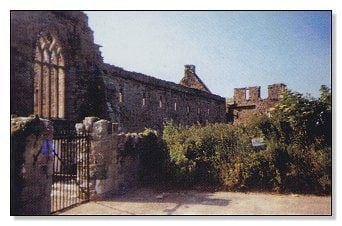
x,y
191,79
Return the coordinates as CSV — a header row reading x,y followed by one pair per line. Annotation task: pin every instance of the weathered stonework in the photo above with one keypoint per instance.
x,y
111,170
82,85
248,103
138,101
81,60
31,167
191,79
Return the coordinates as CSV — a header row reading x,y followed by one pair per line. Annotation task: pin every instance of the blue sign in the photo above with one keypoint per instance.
x,y
48,148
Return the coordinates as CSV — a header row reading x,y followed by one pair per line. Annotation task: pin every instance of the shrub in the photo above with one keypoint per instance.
x,y
249,171
309,170
197,153
222,154
297,157
153,157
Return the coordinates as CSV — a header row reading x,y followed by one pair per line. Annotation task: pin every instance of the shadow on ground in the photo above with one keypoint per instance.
x,y
155,201
178,198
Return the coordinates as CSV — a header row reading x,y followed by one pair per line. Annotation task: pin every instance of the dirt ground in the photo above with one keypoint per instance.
x,y
147,201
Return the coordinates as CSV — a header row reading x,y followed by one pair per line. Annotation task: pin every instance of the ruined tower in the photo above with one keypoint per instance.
x,y
248,103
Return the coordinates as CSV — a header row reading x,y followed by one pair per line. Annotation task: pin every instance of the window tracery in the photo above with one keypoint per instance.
x,y
49,79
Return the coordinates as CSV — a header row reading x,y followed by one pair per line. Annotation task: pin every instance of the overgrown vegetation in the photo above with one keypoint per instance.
x,y
152,153
153,158
296,158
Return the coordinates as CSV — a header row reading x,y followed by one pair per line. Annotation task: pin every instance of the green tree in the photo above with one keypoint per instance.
x,y
303,134
324,114
303,120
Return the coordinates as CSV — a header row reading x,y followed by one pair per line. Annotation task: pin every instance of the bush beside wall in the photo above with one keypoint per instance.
x,y
296,158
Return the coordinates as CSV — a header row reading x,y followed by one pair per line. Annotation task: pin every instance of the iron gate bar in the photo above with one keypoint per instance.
x,y
88,170
70,169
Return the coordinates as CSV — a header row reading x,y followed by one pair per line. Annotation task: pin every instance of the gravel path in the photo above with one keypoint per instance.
x,y
152,202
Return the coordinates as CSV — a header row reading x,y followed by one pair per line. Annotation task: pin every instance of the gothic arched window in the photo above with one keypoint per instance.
x,y
49,79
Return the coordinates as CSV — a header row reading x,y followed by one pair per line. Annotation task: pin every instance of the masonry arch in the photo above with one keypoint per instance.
x,y
49,77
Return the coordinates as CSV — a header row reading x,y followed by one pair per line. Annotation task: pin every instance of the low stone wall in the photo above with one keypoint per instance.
x,y
112,171
31,166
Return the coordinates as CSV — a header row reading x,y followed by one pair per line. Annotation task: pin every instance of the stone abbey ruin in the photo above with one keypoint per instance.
x,y
66,155
57,72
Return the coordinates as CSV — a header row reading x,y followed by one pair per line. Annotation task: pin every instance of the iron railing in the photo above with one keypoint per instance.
x,y
70,169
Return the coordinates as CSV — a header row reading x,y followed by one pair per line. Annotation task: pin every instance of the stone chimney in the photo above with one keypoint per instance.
x,y
189,68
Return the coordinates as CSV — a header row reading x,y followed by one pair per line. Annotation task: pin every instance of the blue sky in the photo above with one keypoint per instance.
x,y
229,48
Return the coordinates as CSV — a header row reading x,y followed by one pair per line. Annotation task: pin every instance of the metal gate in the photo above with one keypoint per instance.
x,y
70,180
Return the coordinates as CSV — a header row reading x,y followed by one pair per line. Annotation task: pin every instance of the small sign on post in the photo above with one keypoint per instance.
x,y
258,142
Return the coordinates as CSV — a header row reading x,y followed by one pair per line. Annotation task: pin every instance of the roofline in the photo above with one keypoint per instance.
x,y
202,83
120,72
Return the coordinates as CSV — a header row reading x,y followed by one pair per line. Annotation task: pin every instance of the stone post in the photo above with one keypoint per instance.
x,y
102,155
31,166
105,147
111,171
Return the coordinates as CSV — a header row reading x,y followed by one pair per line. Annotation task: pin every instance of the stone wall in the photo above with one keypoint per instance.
x,y
138,101
112,171
248,103
31,166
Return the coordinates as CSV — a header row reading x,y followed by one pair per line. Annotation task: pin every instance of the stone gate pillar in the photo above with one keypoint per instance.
x,y
31,166
111,170
103,154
